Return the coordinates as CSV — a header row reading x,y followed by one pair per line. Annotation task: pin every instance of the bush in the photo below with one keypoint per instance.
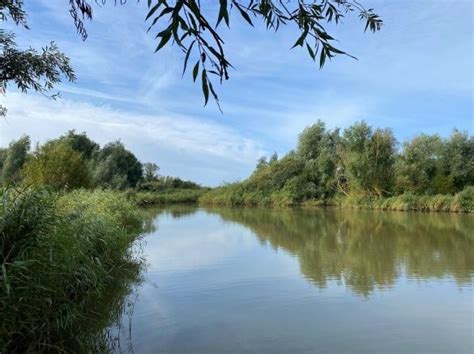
x,y
167,197
464,200
60,258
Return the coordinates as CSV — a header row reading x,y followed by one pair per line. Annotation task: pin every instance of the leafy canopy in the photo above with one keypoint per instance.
x,y
28,69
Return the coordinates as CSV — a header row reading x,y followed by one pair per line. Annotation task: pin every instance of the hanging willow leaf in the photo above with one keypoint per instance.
x,y
188,25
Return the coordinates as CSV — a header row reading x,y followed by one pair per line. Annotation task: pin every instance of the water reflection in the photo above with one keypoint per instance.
x,y
303,281
366,250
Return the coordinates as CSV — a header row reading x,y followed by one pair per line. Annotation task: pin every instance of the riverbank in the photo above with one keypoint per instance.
x,y
170,196
64,259
234,196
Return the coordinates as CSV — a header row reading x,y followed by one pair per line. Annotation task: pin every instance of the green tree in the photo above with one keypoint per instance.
x,y
261,162
3,156
16,156
150,171
58,165
273,158
80,143
368,159
116,167
459,159
419,163
317,148
28,69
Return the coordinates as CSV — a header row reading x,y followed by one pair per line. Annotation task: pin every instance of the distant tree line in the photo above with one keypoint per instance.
x,y
359,160
75,161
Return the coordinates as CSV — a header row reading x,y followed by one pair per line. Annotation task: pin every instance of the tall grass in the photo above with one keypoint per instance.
x,y
63,258
236,195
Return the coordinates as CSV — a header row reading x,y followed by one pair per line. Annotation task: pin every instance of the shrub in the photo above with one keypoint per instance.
x,y
464,200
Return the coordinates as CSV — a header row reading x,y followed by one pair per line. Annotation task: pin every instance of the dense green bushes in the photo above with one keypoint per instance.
x,y
460,202
66,266
236,195
361,168
170,196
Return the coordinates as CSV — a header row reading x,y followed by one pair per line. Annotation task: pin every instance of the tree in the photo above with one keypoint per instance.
x,y
367,159
459,159
317,148
80,143
261,162
16,156
419,163
57,165
186,23
273,158
116,167
28,69
433,165
3,156
150,171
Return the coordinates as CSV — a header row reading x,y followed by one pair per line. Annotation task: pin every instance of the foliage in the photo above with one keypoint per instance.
x,y
461,202
362,168
150,171
116,167
459,159
163,183
430,164
170,196
14,159
80,143
464,200
61,256
419,163
187,24
28,69
58,165
367,159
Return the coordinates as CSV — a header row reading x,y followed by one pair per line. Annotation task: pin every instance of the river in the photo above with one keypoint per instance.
x,y
302,281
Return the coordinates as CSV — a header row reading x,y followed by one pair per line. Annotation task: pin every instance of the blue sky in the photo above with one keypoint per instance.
x,y
415,76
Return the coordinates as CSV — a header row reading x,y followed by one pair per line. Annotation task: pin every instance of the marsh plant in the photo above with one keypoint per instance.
x,y
67,267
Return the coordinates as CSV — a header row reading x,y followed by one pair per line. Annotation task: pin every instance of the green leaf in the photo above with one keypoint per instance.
x,y
152,10
223,13
301,39
164,39
195,70
186,58
310,51
205,87
244,14
322,57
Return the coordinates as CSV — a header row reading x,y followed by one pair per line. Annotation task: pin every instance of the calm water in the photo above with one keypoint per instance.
x,y
304,281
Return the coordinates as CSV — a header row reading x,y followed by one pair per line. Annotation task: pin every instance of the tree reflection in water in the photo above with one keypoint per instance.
x,y
366,250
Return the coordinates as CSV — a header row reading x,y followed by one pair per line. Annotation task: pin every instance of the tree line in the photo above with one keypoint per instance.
x,y
359,160
75,161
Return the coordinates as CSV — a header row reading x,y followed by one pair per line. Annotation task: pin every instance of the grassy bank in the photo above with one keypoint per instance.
x,y
171,196
64,258
237,195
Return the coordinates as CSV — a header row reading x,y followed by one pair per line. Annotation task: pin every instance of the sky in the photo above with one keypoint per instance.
x,y
414,76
